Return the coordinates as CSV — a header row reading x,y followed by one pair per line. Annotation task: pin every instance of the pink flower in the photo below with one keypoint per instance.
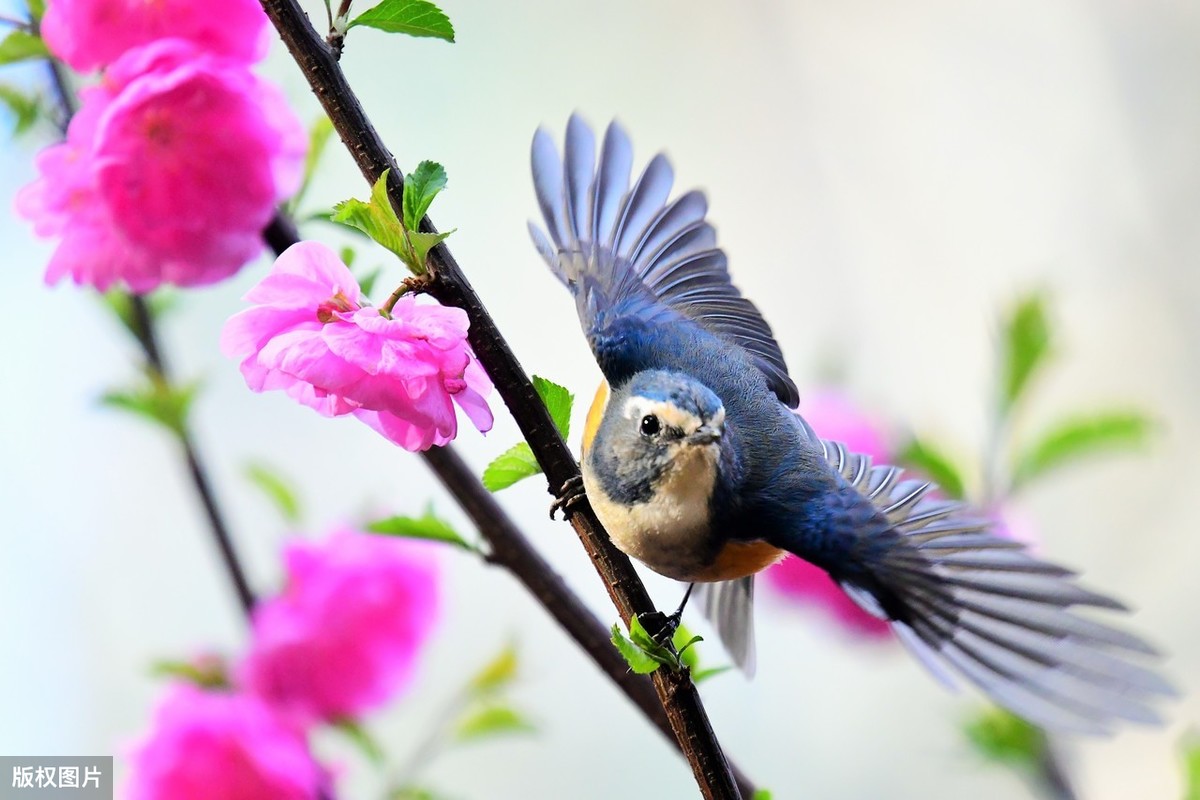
x,y
211,745
170,172
93,33
344,636
833,415
309,334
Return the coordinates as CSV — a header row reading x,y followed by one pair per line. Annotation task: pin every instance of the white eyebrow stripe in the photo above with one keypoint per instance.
x,y
668,413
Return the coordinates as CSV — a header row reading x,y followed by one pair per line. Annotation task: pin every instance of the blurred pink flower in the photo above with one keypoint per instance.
x,y
833,415
171,169
216,745
309,334
799,581
88,34
344,635
1010,522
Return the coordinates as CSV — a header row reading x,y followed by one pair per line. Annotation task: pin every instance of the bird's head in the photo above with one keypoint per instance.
x,y
658,428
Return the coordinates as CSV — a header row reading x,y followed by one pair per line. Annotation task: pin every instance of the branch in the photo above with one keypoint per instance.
x,y
676,692
512,550
147,337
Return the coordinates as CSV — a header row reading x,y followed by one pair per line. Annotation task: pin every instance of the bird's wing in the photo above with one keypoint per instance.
x,y
626,252
729,606
966,601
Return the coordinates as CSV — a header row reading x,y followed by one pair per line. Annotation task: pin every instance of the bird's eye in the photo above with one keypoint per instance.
x,y
650,425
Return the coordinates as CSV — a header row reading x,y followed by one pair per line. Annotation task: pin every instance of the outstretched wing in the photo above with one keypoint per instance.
x,y
625,251
966,601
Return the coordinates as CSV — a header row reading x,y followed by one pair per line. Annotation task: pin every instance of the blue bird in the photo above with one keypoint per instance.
x,y
699,467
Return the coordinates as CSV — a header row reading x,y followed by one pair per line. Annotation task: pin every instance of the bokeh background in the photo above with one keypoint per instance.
x,y
885,178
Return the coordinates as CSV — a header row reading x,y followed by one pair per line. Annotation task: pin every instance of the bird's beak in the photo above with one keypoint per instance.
x,y
705,434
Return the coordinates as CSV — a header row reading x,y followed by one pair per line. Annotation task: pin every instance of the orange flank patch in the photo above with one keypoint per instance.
x,y
739,559
594,415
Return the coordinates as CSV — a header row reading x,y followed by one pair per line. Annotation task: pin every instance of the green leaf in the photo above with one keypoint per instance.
x,y
637,659
156,401
1000,735
362,739
414,793
641,651
1073,439
1191,768
25,109
205,672
422,243
660,653
427,526
366,283
1027,343
491,720
761,794
277,489
420,187
376,218
514,464
412,17
497,673
683,641
319,135
701,675
518,463
21,45
158,304
935,464
558,402
37,9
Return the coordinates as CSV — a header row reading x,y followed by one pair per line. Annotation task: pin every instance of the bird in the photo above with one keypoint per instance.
x,y
698,464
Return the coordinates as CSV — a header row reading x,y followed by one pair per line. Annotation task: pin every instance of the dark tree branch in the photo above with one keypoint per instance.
x,y
676,692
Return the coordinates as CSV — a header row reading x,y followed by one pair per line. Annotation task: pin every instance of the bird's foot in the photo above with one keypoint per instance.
x,y
665,625
569,496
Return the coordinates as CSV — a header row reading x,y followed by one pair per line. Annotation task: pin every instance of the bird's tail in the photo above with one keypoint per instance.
x,y
968,602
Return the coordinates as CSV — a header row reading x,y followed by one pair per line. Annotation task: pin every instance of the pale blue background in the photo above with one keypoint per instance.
x,y
908,167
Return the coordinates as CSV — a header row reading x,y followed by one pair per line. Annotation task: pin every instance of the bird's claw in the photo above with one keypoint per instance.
x,y
569,496
660,626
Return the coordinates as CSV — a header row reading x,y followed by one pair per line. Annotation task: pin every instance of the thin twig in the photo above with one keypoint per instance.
x,y
676,691
147,337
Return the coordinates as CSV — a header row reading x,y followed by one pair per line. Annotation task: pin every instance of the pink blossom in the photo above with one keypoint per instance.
x,y
214,745
170,172
88,34
309,334
1011,522
344,636
833,415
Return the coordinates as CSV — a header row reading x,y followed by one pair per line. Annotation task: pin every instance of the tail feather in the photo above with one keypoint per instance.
x,y
970,603
729,606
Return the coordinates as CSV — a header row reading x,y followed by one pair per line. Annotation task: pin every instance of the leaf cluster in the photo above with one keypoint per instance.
x,y
518,462
378,220
1027,349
